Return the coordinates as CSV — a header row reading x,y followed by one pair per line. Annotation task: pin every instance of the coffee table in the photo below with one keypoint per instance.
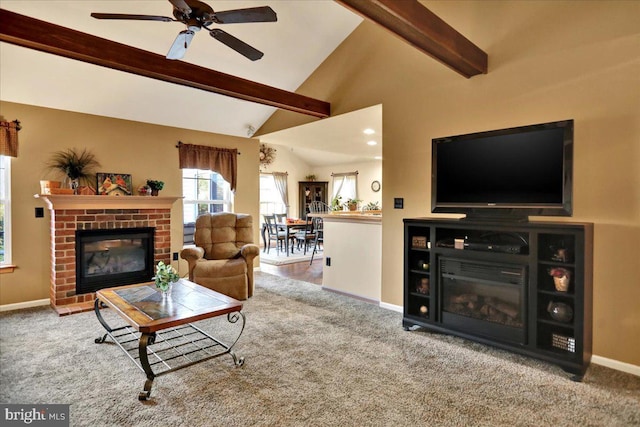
x,y
159,336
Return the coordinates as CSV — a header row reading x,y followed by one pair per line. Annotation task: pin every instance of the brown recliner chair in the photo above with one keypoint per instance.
x,y
223,257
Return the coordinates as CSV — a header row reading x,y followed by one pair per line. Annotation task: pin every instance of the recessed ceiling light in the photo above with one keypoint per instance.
x,y
378,157
372,142
369,131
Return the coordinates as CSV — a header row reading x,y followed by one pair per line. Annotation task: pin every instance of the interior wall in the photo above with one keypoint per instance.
x,y
296,169
548,61
367,172
143,150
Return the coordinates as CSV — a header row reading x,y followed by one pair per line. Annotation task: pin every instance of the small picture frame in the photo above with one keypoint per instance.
x,y
114,184
419,242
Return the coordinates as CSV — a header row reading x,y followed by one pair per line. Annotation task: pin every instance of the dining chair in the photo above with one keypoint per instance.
x,y
276,233
319,238
318,207
307,235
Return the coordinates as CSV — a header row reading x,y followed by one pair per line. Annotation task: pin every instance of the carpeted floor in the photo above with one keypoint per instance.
x,y
312,358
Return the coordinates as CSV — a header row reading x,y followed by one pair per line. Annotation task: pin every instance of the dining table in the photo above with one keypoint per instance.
x,y
288,227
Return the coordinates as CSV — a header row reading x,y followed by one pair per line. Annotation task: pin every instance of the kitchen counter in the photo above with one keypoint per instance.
x,y
353,254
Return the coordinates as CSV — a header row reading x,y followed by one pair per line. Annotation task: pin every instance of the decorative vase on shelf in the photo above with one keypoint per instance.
x,y
560,311
561,278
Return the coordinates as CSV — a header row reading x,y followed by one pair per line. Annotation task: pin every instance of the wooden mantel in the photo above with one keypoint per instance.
x,y
67,201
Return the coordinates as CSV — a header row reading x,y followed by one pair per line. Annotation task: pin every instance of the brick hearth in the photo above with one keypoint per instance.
x,y
71,213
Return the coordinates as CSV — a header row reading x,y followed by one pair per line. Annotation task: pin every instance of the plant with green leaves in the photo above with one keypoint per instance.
x,y
336,203
75,165
155,185
165,275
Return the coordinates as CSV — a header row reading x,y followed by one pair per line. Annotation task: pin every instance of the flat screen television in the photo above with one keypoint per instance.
x,y
504,174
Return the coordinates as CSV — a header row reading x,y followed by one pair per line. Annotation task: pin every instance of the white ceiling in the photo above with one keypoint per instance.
x,y
336,140
307,31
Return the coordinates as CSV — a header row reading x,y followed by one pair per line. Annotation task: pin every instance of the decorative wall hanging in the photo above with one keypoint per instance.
x,y
267,155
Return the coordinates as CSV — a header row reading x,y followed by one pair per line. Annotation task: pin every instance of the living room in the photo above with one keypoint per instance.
x,y
548,61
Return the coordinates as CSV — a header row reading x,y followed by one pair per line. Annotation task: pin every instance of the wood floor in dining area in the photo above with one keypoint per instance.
x,y
298,271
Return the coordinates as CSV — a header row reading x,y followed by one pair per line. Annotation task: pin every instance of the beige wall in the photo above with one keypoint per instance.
x,y
145,151
547,61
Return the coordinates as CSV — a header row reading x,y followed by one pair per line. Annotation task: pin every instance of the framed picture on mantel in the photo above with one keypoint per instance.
x,y
114,184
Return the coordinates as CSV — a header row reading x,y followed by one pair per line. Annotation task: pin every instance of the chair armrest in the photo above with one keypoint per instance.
x,y
250,251
192,254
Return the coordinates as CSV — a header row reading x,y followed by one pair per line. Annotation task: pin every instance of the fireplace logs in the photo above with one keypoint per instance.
x,y
486,308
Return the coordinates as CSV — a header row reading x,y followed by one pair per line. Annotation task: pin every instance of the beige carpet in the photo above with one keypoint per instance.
x,y
312,358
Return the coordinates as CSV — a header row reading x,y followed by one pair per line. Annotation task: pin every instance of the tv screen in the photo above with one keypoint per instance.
x,y
515,172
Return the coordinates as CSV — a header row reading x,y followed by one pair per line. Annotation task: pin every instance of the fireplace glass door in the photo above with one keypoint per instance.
x,y
485,299
113,257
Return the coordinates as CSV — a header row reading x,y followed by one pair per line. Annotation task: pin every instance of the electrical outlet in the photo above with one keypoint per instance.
x,y
175,256
327,261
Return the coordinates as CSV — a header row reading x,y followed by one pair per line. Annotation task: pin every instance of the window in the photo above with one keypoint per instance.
x,y
5,210
204,191
270,198
345,186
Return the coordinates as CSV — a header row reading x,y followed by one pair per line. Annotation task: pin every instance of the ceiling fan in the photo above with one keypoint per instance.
x,y
197,15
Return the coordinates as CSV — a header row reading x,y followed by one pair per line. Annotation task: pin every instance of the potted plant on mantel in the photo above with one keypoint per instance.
x,y
155,186
76,167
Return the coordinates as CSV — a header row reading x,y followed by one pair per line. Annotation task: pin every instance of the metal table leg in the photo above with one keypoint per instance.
x,y
180,347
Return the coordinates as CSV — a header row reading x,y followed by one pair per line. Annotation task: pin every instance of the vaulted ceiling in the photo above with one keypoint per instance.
x,y
305,34
177,93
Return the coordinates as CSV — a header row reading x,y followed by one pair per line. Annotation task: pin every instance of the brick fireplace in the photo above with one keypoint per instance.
x,y
71,213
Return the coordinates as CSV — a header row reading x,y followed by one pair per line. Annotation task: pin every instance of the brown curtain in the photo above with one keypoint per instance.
x,y
9,138
221,160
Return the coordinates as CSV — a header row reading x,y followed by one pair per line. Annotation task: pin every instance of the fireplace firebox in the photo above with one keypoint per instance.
x,y
113,257
486,299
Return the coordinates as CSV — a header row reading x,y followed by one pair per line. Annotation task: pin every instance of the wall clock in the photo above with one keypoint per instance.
x,y
375,186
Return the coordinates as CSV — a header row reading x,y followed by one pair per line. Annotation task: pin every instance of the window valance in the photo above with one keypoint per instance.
x,y
221,160
9,138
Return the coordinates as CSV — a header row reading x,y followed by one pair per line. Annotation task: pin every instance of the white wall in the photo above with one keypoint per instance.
x,y
367,173
287,161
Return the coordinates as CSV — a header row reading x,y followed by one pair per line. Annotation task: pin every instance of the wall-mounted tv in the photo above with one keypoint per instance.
x,y
504,174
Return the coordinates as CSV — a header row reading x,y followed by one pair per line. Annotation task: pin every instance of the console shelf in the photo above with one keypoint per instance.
x,y
524,287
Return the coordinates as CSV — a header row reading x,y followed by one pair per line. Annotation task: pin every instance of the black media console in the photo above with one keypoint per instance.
x,y
523,287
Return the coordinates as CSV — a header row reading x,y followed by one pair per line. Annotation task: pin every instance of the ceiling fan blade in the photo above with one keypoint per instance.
x,y
132,17
252,14
236,44
181,5
180,44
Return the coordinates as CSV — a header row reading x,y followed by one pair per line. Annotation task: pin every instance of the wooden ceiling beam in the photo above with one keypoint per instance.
x,y
50,38
417,25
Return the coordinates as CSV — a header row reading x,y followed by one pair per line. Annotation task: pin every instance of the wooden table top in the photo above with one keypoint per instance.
x,y
142,306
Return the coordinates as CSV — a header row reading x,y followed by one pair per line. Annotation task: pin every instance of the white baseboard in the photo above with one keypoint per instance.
x,y
391,307
617,365
26,304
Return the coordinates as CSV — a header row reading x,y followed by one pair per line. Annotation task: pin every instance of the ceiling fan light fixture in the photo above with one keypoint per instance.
x,y
180,44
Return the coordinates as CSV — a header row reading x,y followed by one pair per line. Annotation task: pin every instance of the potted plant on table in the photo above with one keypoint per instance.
x,y
155,186
77,167
165,277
